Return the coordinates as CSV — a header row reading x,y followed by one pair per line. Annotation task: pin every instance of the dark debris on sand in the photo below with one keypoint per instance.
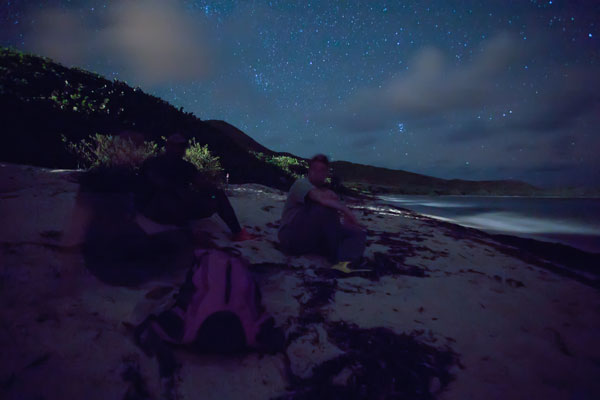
x,y
377,364
322,292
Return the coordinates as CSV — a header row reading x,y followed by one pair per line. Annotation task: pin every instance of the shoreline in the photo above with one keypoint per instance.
x,y
517,235
578,228
395,191
565,260
496,195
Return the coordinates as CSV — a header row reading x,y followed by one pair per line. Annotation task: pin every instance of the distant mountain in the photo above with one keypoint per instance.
x,y
42,100
396,181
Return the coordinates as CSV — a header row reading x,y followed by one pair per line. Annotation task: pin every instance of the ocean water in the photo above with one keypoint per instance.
x,y
575,222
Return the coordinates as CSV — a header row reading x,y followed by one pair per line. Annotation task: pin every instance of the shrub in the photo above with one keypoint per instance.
x,y
292,166
202,158
110,151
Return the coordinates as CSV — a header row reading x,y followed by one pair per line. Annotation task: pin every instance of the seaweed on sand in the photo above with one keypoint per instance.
x,y
377,364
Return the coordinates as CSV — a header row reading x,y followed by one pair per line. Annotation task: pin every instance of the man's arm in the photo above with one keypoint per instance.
x,y
329,199
325,197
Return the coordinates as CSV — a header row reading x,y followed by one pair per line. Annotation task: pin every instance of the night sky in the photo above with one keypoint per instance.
x,y
467,89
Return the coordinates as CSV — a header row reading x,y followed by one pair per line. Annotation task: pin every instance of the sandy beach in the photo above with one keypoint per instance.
x,y
494,321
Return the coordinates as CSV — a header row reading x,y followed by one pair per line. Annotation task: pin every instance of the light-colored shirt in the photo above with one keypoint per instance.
x,y
296,200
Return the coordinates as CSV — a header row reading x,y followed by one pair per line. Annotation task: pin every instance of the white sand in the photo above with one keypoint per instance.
x,y
538,341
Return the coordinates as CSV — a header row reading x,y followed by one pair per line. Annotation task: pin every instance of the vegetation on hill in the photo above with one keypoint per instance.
x,y
43,102
59,117
107,151
203,159
292,165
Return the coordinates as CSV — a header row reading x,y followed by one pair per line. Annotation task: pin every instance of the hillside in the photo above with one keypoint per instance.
x,y
42,100
238,136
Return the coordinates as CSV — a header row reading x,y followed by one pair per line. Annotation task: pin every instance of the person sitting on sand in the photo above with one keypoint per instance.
x,y
310,222
172,191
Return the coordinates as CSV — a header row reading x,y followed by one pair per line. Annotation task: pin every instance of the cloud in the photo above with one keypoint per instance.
x,y
433,91
431,87
60,35
571,94
156,40
150,41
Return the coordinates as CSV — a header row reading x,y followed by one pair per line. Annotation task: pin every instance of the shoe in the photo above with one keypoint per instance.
x,y
342,266
243,235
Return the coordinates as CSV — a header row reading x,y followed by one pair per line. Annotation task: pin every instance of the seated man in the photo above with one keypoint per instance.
x,y
172,191
310,222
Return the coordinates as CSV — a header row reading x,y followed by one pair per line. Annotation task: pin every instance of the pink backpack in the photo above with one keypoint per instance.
x,y
218,283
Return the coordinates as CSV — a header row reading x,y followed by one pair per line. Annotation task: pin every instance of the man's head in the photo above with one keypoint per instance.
x,y
176,145
318,170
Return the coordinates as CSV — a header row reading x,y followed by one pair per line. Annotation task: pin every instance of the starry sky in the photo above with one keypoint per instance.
x,y
479,90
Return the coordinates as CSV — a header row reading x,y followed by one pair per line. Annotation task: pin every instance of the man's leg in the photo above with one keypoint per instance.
x,y
210,200
226,212
352,244
315,229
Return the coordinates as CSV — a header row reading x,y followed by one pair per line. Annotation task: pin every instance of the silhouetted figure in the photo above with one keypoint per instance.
x,y
173,192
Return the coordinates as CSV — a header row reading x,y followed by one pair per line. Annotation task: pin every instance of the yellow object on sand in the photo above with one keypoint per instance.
x,y
343,267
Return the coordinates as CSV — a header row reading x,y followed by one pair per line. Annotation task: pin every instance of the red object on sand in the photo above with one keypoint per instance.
x,y
243,235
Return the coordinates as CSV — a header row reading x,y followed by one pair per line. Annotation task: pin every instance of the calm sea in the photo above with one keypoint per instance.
x,y
575,222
